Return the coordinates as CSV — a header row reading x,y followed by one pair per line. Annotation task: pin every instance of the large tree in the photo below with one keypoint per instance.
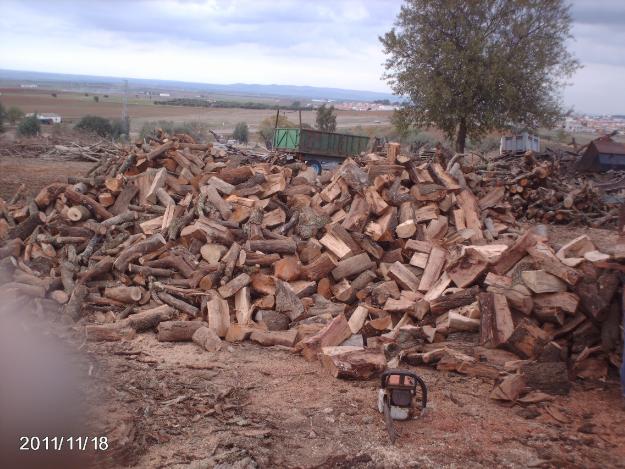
x,y
473,66
326,118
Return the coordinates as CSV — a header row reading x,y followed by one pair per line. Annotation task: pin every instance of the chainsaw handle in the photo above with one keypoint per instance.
x,y
411,374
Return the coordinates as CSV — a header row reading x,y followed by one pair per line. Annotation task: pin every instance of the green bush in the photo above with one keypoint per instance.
x,y
2,116
267,125
96,99
95,124
241,132
29,127
14,114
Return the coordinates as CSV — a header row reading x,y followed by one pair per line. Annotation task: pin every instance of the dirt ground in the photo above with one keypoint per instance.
x,y
72,106
165,405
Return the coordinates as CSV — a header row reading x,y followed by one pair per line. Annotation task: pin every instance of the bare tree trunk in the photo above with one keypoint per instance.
x,y
461,136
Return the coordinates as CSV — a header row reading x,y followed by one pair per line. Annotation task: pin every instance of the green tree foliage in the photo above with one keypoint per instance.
x,y
95,124
241,132
29,127
470,67
96,99
296,105
265,129
14,115
326,119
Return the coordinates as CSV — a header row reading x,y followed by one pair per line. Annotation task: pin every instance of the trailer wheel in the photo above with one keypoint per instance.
x,y
315,165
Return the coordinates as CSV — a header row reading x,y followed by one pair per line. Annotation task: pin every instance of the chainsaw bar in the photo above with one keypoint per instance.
x,y
388,420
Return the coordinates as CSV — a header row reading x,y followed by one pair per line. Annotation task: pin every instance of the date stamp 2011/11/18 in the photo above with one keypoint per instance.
x,y
60,443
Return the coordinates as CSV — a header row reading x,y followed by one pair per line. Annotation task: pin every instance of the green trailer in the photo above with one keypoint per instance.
x,y
319,148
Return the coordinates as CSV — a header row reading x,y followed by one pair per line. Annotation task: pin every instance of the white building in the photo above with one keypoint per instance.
x,y
47,118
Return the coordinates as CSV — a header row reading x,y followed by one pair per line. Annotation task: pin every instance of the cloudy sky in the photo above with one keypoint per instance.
x,y
307,42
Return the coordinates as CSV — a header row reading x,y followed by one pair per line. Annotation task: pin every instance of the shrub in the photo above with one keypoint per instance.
x,y
96,99
2,115
326,118
14,114
267,125
54,95
196,129
241,132
29,127
95,124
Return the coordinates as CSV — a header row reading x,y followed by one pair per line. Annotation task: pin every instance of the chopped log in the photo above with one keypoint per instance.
x,y
469,205
457,299
352,266
540,281
234,285
218,314
357,319
26,227
178,304
178,331
74,305
546,260
509,388
124,198
243,306
271,338
108,333
273,320
404,277
358,214
133,252
12,247
288,268
158,151
515,253
78,213
465,270
550,377
150,318
334,333
81,199
433,269
207,338
279,246
124,294
319,268
350,362
287,301
527,340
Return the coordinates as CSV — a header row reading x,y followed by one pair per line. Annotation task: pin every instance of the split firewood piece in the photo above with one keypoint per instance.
x,y
496,325
212,253
433,269
349,362
263,284
376,203
343,291
454,300
243,306
150,318
358,214
319,268
336,246
419,246
213,197
218,314
289,268
273,320
160,150
519,297
74,306
515,253
540,281
572,253
527,340
550,377
357,319
271,338
124,294
27,226
178,331
287,301
124,198
546,260
509,388
274,218
437,228
465,270
404,277
550,304
469,205
334,333
221,185
449,182
207,338
382,228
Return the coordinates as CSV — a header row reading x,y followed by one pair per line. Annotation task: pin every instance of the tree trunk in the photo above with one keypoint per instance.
x,y
461,136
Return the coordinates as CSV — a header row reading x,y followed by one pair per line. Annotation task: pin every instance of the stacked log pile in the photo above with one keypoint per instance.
x,y
386,260
540,191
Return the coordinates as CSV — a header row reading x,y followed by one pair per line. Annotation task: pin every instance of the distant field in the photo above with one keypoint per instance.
x,y
72,106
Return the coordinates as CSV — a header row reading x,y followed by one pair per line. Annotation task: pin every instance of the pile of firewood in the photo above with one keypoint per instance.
x,y
540,191
384,260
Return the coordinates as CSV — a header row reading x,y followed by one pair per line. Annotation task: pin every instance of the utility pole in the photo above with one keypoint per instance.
x,y
125,118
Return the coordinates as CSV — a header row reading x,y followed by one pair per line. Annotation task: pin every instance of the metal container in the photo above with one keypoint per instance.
x,y
317,143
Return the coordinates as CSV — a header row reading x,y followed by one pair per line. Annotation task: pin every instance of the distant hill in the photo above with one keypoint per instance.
x,y
284,91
